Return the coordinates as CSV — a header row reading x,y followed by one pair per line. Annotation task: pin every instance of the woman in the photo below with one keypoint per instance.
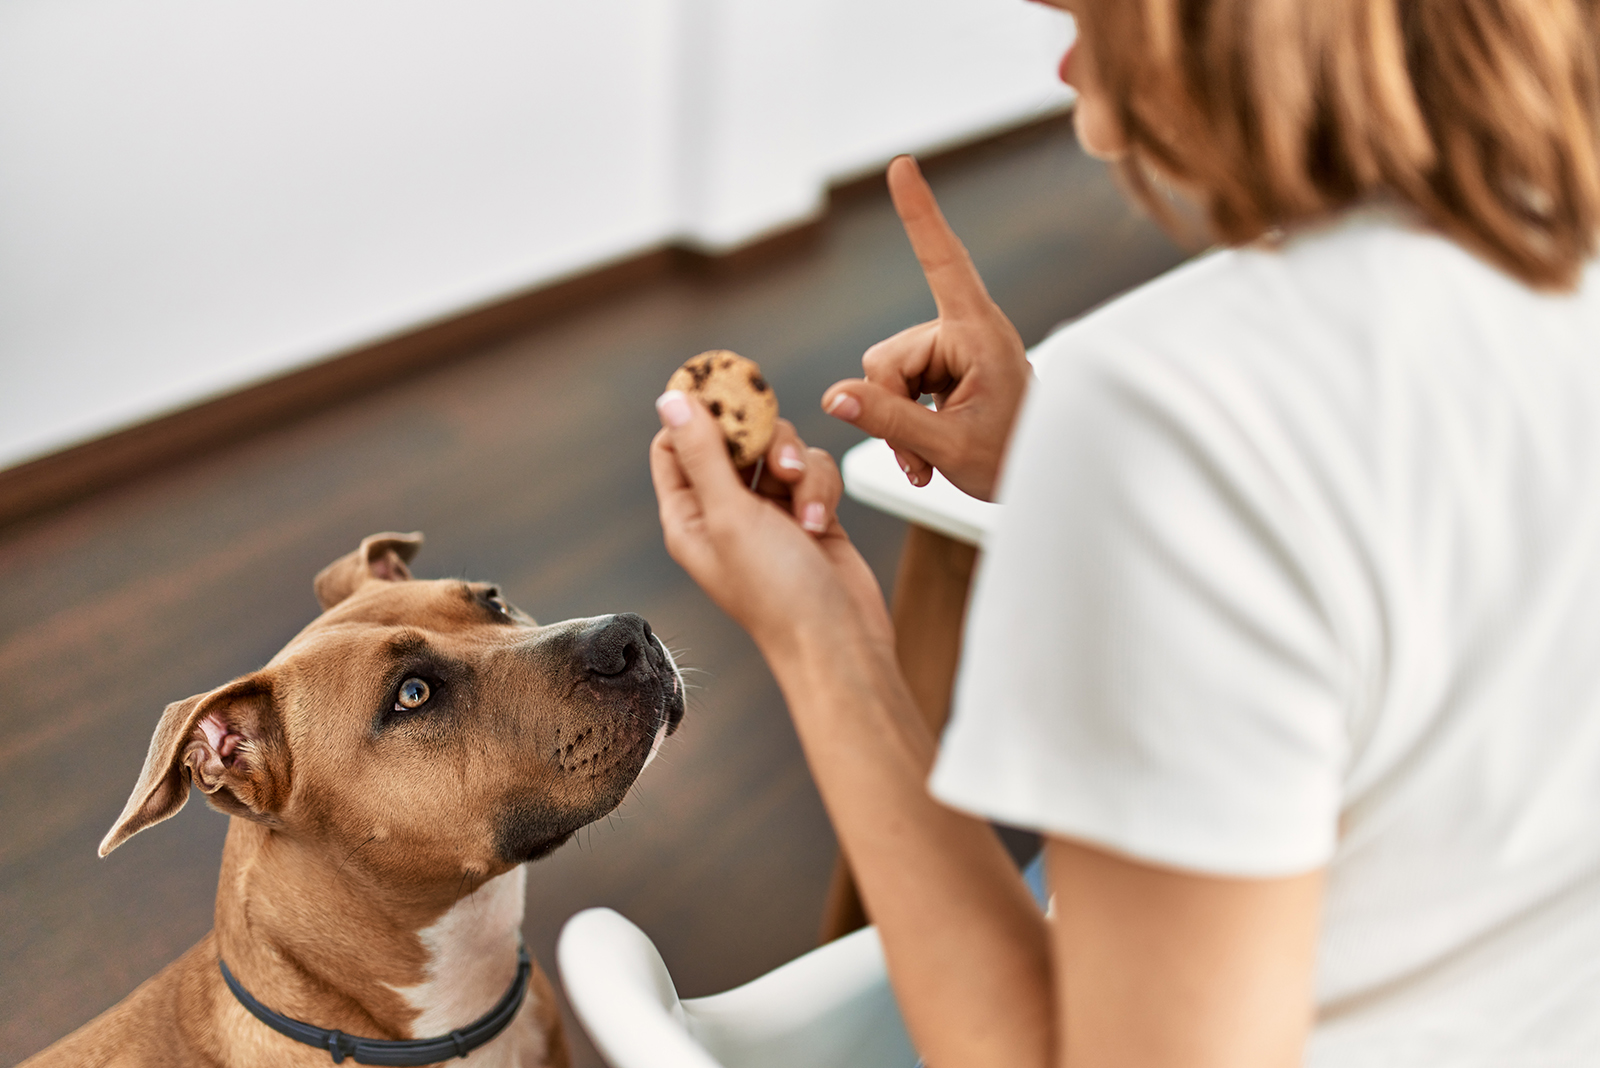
x,y
1286,642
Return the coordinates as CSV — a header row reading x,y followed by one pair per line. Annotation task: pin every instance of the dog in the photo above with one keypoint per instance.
x,y
388,774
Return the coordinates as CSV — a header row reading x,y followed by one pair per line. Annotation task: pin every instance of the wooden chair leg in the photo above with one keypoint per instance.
x,y
843,911
928,606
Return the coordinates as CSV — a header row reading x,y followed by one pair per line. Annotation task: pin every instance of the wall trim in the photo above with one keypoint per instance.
x,y
58,479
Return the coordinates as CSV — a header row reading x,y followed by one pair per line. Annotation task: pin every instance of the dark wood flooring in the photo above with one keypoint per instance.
x,y
524,464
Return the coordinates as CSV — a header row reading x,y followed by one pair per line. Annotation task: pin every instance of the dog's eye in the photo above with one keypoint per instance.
x,y
496,602
414,693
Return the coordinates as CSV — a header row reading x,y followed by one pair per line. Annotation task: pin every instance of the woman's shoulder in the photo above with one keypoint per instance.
x,y
1341,290
1323,322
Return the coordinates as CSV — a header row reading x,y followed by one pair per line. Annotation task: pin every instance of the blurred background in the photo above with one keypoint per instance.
x,y
201,200
194,196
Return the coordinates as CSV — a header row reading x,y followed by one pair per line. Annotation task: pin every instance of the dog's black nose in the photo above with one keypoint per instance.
x,y
616,645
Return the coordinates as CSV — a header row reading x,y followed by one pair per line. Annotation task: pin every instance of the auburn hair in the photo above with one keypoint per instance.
x,y
1484,115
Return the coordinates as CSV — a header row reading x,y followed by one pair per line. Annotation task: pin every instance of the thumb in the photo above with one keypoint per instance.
x,y
697,441
896,418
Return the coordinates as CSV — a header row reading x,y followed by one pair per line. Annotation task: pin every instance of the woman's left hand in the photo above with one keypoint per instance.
x,y
776,560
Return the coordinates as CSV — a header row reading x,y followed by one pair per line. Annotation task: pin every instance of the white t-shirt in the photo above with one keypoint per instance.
x,y
1299,565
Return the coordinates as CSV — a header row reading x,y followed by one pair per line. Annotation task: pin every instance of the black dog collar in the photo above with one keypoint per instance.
x,y
387,1051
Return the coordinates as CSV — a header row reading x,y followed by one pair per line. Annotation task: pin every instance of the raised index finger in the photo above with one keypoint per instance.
x,y
957,289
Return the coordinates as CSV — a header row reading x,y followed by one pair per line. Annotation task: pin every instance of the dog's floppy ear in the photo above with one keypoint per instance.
x,y
228,742
381,558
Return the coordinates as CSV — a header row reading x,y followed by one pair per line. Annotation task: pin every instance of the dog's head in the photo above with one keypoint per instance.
x,y
428,726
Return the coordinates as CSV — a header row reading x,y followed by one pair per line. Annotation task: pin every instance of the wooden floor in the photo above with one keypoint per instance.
x,y
524,464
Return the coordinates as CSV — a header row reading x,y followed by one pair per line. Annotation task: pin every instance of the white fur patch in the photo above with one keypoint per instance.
x,y
471,961
655,746
677,688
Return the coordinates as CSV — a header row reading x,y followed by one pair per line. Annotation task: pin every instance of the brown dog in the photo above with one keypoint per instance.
x,y
388,773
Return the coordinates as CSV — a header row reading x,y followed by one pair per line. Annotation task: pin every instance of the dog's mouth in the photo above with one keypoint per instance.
x,y
670,714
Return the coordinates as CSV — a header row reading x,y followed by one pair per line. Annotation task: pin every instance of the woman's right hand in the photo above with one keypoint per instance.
x,y
970,358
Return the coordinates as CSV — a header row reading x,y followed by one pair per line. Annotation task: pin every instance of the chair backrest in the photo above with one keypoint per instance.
x,y
831,1008
872,476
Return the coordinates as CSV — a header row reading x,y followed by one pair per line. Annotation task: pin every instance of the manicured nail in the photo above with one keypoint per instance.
x,y
789,459
811,517
905,465
915,477
673,407
843,406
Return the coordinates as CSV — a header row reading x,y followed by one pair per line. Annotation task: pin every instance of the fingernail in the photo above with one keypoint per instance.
x,y
905,465
673,407
843,406
811,517
789,459
916,479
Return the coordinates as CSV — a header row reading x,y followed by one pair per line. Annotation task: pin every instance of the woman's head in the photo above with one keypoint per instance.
x,y
1483,114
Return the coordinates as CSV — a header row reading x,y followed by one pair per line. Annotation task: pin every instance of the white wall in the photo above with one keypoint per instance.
x,y
198,195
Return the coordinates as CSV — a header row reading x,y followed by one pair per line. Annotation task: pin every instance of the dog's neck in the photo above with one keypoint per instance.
x,y
313,940
471,956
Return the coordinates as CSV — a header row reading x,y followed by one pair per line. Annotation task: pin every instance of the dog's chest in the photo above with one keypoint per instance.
x,y
472,960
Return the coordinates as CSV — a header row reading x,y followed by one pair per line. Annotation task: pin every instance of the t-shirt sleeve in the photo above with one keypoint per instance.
x,y
1149,665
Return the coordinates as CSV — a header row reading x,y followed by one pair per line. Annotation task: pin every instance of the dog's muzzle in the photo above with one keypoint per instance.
x,y
623,651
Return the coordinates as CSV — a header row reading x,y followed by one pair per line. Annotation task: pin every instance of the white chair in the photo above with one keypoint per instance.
x,y
831,1008
873,477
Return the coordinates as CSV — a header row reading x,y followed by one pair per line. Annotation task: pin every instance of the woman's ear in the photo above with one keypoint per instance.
x,y
228,742
381,558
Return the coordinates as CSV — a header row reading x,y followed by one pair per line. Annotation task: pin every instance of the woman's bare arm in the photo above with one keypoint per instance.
x,y
967,947
1160,967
